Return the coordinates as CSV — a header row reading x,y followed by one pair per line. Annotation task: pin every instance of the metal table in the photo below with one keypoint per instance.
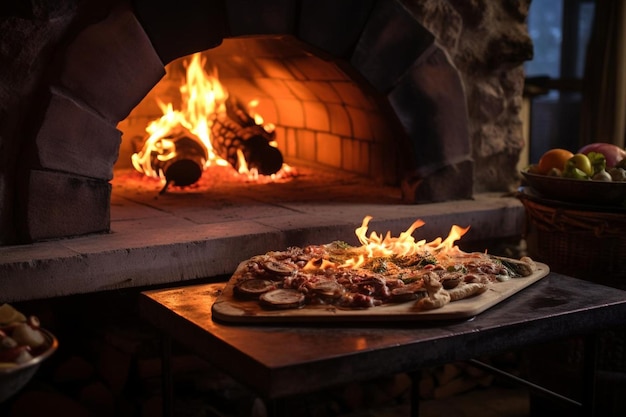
x,y
279,361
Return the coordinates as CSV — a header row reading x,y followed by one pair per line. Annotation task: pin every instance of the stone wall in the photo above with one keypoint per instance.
x,y
487,41
30,32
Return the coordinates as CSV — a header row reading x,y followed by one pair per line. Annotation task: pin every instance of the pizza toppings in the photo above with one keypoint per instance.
x,y
437,296
383,270
410,292
282,298
327,290
253,288
277,268
314,275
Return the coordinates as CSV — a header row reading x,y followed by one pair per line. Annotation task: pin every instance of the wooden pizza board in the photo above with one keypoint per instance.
x,y
231,310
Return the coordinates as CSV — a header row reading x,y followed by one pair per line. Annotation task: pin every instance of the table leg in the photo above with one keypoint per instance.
x,y
167,385
590,363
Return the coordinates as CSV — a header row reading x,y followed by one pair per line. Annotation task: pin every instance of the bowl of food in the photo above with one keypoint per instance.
x,y
24,345
596,193
595,175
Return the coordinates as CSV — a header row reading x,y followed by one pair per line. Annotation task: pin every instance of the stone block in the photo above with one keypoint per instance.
x,y
317,69
290,112
261,18
300,90
328,150
274,68
489,101
340,123
333,26
73,139
291,142
391,41
430,104
316,116
266,108
509,50
324,91
353,95
355,156
364,160
305,145
274,88
246,89
63,205
111,65
360,123
453,182
184,28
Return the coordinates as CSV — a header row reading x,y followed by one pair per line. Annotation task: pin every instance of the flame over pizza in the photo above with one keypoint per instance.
x,y
384,269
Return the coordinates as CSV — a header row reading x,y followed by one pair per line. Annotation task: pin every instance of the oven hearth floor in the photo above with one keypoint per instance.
x,y
205,231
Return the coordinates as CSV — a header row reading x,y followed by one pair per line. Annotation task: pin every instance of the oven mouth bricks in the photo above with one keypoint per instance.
x,y
109,60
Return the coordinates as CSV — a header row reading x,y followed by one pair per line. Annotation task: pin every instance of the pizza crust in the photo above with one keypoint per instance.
x,y
467,290
437,296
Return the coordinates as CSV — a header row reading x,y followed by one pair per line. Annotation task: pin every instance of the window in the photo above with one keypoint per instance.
x,y
560,31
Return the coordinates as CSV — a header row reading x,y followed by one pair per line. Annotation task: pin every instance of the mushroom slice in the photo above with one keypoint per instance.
x,y
253,288
278,268
282,298
327,289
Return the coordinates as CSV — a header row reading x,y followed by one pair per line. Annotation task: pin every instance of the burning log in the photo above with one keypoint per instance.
x,y
210,125
185,167
235,131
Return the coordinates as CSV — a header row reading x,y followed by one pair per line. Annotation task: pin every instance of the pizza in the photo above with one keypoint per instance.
x,y
380,271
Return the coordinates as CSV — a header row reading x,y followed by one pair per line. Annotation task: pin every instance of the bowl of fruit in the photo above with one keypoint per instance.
x,y
24,345
595,175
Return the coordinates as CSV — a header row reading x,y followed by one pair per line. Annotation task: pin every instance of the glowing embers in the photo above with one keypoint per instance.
x,y
211,129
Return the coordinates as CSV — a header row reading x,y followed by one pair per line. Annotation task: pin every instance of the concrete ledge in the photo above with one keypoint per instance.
x,y
150,247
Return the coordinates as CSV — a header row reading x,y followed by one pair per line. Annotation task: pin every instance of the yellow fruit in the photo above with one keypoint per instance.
x,y
581,162
554,158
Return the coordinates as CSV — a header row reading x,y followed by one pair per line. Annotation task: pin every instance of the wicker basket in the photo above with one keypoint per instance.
x,y
586,244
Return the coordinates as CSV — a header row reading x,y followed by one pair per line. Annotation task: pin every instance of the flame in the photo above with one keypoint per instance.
x,y
202,97
456,232
404,245
258,119
376,245
323,264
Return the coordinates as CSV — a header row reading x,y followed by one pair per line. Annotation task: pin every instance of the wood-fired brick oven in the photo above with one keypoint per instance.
x,y
360,86
318,112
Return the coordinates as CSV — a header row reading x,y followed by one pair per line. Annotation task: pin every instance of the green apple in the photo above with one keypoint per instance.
x,y
581,162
